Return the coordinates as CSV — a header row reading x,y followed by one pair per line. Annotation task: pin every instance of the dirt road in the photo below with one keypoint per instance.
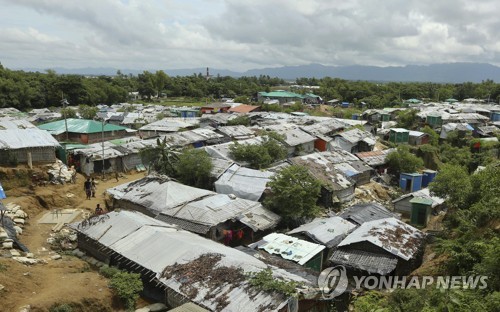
x,y
68,280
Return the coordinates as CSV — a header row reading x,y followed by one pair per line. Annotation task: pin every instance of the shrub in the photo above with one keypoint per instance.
x,y
264,280
108,271
127,287
61,307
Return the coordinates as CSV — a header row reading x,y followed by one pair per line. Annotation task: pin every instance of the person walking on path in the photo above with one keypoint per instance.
x,y
87,186
93,187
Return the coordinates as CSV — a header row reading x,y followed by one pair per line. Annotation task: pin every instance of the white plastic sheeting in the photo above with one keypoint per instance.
x,y
243,182
289,247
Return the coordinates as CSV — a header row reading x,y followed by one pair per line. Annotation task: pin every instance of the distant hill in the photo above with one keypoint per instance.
x,y
450,72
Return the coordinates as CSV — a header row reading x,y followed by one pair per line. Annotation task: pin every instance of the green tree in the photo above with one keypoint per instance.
x,y
193,168
242,99
407,119
294,193
127,287
87,112
259,156
255,155
455,155
402,160
240,120
67,113
160,80
433,135
146,85
160,158
452,182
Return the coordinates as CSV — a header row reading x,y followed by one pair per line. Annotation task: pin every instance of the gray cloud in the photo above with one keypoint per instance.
x,y
239,35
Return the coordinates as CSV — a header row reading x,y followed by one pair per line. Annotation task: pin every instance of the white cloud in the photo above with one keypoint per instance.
x,y
238,35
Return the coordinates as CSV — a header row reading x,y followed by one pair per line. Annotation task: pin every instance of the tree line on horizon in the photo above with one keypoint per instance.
x,y
28,90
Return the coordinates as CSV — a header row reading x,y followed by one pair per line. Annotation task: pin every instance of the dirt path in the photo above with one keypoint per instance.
x,y
68,280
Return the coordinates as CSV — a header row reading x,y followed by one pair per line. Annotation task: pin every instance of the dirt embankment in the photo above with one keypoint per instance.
x,y
68,280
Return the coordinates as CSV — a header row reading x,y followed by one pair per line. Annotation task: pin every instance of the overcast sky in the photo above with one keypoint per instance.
x,y
240,35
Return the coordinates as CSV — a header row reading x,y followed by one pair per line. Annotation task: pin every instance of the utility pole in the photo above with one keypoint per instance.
x,y
64,102
102,137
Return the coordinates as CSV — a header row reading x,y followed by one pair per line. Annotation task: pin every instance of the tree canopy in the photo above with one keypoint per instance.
x,y
294,193
193,167
26,90
452,183
260,156
402,160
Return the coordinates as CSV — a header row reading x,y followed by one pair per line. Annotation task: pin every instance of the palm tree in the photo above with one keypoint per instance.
x,y
161,158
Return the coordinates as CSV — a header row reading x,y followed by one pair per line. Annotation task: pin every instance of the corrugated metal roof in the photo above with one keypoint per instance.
x,y
243,182
79,126
326,231
157,193
7,123
171,124
281,94
364,260
156,247
26,138
417,133
113,226
219,166
243,108
221,118
219,208
160,195
423,193
293,135
236,131
421,200
375,158
207,134
390,234
95,150
338,155
185,224
289,247
365,212
324,170
400,130
356,135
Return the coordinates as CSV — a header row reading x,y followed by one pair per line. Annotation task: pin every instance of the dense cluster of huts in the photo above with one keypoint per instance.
x,y
201,246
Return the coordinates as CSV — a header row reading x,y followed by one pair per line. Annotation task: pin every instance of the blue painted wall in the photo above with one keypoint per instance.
x,y
410,182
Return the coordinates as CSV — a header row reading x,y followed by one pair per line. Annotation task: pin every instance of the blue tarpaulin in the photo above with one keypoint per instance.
x,y
2,193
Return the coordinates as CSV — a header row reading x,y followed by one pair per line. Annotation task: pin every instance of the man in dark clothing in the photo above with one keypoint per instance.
x,y
87,186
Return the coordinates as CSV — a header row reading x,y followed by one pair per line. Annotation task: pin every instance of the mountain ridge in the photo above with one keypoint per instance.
x,y
438,73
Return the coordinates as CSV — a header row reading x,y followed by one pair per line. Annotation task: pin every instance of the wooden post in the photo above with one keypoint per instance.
x,y
30,161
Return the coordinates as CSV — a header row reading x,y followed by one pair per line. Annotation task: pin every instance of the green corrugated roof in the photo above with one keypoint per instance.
x,y
421,200
284,94
79,126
